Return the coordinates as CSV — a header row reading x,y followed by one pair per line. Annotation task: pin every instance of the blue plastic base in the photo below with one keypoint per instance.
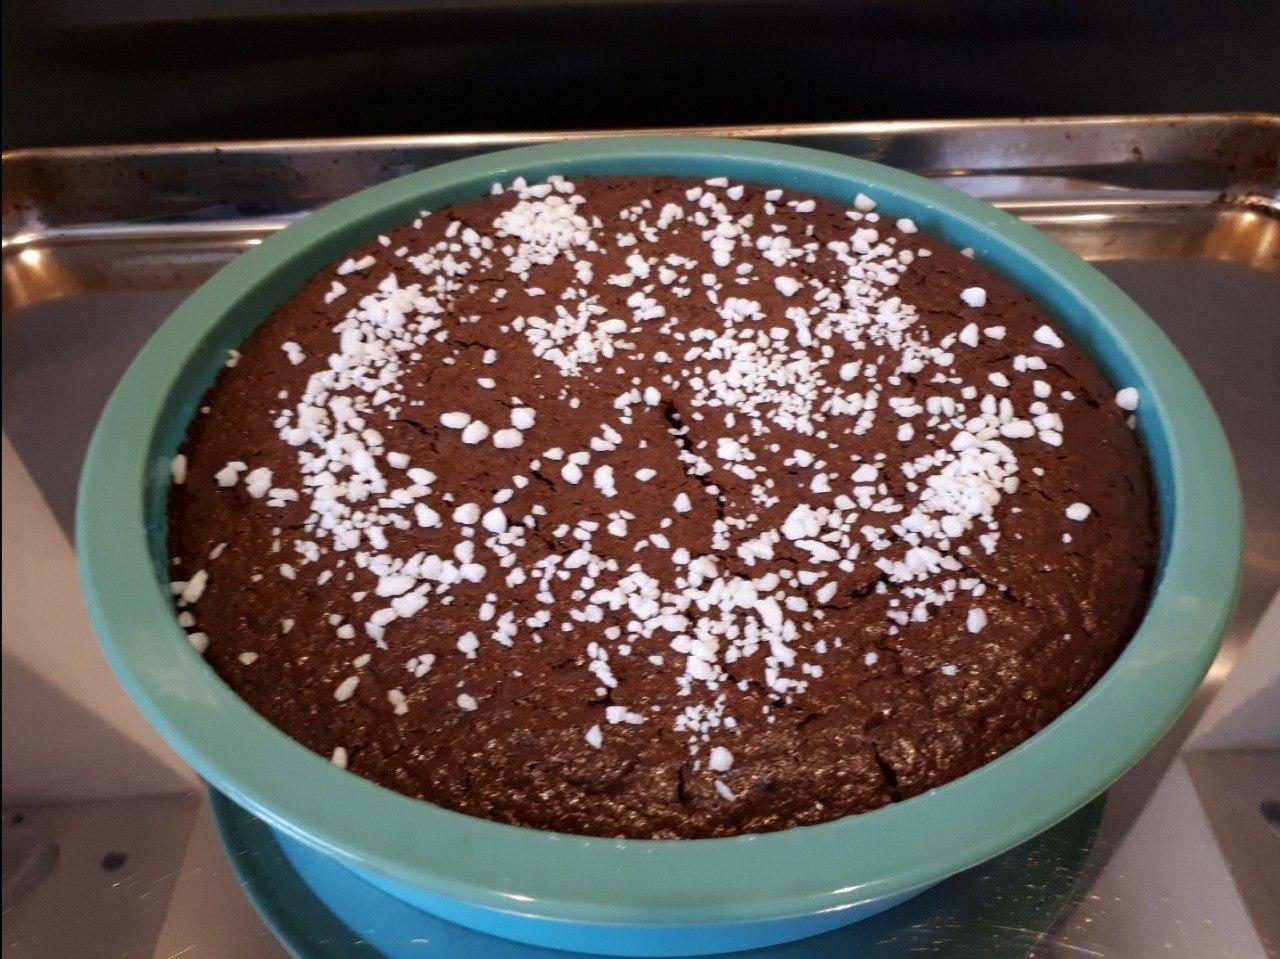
x,y
613,940
320,909
330,881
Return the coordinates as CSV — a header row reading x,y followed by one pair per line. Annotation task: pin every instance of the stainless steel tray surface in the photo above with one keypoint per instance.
x,y
100,244
1109,188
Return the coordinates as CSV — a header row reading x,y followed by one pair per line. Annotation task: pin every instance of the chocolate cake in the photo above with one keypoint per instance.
x,y
645,507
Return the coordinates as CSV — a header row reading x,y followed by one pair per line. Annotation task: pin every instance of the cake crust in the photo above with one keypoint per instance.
x,y
600,426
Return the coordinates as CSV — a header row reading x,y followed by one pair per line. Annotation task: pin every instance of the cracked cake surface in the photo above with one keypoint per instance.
x,y
646,507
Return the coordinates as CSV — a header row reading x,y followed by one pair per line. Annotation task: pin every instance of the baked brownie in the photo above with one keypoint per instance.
x,y
645,507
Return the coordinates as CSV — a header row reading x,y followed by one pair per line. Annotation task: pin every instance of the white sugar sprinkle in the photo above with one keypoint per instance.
x,y
191,591
228,474
1127,399
476,432
974,296
258,482
1078,512
1046,335
787,286
720,760
346,689
468,643
495,521
507,439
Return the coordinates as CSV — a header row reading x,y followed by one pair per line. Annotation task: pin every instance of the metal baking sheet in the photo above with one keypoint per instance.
x,y
100,244
1109,188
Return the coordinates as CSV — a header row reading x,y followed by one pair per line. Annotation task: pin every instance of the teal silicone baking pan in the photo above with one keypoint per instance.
x,y
646,896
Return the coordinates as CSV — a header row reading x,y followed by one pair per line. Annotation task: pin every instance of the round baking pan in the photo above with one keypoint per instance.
x,y
645,896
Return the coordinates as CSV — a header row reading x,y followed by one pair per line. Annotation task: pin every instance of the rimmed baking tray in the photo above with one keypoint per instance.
x,y
1182,211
